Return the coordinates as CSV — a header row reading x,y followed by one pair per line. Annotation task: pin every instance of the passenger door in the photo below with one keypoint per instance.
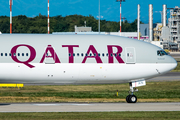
x,y
130,55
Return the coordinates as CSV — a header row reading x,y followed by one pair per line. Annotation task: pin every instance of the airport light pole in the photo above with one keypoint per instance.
x,y
99,18
48,19
10,3
120,12
138,22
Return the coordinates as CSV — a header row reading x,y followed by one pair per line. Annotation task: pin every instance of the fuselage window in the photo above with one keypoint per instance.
x,y
161,53
82,54
116,55
77,54
26,54
69,54
14,54
95,54
90,54
1,54
5,54
18,54
103,54
99,54
107,54
111,54
9,54
22,54
73,54
119,55
86,54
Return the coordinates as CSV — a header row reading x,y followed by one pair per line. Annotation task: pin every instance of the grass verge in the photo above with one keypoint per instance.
x,y
152,92
177,69
175,115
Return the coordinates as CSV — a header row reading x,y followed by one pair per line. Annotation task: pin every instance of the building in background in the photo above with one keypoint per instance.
x,y
165,33
174,24
157,32
169,34
82,29
144,29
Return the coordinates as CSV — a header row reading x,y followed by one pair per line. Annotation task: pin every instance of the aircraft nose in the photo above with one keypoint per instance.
x,y
170,64
174,63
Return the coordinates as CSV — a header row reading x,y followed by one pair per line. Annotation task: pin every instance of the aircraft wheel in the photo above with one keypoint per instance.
x,y
132,99
127,99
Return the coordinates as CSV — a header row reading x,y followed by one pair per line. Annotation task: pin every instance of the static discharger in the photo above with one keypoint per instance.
x,y
6,85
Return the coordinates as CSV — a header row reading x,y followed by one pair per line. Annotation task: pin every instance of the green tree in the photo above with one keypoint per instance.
x,y
38,24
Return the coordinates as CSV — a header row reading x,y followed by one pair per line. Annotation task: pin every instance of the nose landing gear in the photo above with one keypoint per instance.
x,y
131,98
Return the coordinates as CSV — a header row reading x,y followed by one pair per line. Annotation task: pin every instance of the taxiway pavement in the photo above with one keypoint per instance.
x,y
170,76
92,107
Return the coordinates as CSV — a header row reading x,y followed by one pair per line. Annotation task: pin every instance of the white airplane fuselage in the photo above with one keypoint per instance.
x,y
79,59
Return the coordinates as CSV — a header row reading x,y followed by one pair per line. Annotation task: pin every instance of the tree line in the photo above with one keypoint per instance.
x,y
38,24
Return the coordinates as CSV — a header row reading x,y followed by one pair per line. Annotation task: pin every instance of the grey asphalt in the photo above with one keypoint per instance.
x,y
175,55
92,107
170,76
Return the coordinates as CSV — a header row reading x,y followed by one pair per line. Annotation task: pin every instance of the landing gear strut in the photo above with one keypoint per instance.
x,y
131,98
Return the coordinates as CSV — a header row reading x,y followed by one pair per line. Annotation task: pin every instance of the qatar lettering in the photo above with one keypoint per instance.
x,y
54,56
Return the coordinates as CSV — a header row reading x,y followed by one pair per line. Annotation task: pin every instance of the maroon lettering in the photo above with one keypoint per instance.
x,y
95,55
70,48
53,55
31,58
111,54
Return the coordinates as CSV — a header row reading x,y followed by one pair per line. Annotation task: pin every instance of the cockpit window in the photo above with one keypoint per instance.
x,y
161,53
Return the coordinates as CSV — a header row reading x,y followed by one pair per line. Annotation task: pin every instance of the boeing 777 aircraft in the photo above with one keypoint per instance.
x,y
81,59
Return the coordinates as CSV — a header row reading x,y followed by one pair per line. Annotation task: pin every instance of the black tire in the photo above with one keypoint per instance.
x,y
132,99
127,99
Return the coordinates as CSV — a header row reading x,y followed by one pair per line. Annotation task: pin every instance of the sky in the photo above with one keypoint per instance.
x,y
109,8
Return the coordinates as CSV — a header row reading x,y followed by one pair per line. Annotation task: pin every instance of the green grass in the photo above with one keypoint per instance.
x,y
175,115
177,69
153,90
